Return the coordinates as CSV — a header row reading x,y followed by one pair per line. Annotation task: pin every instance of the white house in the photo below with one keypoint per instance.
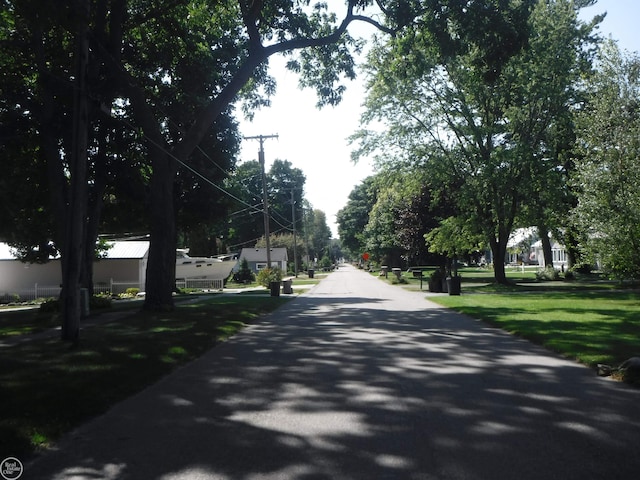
x,y
123,266
257,258
558,253
525,247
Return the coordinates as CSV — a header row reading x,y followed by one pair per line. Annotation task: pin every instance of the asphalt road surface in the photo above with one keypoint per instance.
x,y
357,379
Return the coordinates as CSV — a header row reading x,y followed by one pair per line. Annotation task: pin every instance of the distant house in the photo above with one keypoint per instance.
x,y
124,266
257,258
525,248
558,254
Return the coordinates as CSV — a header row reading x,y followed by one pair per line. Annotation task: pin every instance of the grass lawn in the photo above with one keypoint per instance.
x,y
589,319
587,325
47,388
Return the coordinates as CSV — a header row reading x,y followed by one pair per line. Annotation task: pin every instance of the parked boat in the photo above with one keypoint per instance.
x,y
201,267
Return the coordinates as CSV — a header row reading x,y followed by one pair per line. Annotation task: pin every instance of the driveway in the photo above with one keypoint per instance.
x,y
357,379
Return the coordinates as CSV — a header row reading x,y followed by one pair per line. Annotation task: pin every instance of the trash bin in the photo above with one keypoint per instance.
x,y
84,302
454,285
275,289
310,272
384,271
287,286
397,272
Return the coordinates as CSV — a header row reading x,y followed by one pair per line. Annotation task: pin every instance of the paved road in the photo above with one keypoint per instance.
x,y
361,380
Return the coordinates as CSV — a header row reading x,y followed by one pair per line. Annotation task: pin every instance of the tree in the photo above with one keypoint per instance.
x,y
242,35
318,233
380,232
284,185
476,118
607,171
354,216
245,225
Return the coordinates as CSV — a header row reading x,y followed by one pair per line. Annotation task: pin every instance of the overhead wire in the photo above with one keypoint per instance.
x,y
201,176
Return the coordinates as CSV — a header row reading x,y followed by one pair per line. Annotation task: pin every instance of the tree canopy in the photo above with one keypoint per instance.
x,y
607,170
479,122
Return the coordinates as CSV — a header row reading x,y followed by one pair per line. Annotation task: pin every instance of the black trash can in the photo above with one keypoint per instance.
x,y
454,285
287,286
310,272
275,289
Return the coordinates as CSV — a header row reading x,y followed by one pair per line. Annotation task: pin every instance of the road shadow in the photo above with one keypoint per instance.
x,y
357,388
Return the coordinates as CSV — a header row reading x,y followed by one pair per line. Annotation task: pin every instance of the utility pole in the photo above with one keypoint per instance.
x,y
265,201
295,242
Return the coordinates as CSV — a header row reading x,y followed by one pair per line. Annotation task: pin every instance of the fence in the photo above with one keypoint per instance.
x,y
201,283
28,294
111,288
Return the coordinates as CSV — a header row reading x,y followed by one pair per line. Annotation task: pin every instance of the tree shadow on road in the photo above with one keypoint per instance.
x,y
349,388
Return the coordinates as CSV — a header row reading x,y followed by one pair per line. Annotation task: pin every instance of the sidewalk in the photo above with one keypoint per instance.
x,y
357,379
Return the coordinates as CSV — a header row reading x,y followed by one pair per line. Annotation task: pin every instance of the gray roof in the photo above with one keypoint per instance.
x,y
260,254
128,249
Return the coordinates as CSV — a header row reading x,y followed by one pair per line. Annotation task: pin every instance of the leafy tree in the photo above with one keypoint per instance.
x,y
454,238
317,232
236,38
478,119
354,216
284,185
607,172
246,223
381,237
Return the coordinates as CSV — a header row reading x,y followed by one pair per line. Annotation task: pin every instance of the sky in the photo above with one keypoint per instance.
x,y
315,140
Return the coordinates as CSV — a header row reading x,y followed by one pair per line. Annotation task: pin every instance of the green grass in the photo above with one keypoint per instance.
x,y
589,326
47,388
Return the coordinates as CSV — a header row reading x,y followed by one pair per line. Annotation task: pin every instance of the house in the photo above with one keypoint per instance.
x,y
525,248
123,265
558,254
257,258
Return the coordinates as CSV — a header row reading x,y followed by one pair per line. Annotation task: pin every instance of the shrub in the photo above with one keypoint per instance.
x,y
100,301
547,274
50,305
244,275
132,291
396,281
583,268
268,275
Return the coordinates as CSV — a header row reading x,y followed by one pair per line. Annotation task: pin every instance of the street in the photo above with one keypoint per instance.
x,y
358,379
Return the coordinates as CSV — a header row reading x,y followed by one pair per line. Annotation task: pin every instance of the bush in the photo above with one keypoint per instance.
x,y
50,305
547,274
244,275
132,291
100,301
268,275
583,268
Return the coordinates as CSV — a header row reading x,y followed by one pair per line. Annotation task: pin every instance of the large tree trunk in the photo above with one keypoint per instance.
x,y
547,253
161,266
75,228
499,251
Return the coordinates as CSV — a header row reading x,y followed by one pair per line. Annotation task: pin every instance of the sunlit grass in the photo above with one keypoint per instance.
x,y
591,327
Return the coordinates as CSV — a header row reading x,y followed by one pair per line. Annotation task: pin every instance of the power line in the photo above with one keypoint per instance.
x,y
265,202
